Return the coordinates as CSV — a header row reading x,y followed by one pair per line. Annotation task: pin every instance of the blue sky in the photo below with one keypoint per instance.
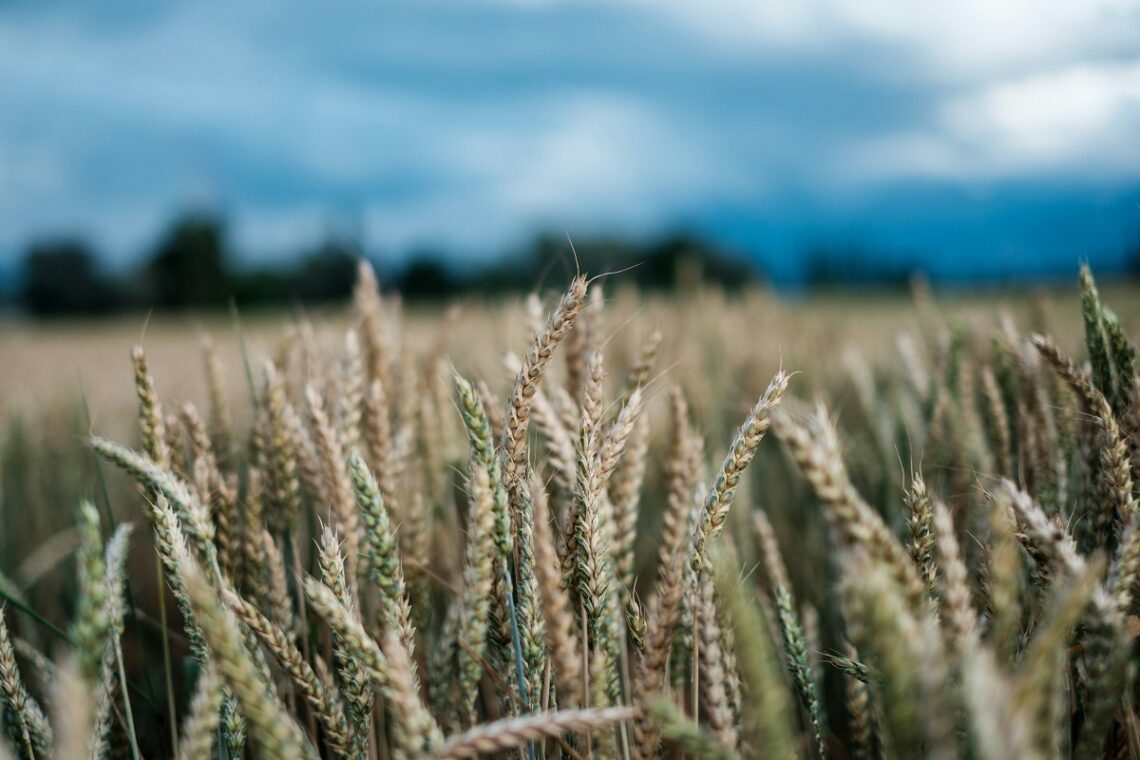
x,y
985,137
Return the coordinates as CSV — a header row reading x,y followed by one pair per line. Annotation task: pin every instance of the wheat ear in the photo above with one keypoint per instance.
x,y
502,735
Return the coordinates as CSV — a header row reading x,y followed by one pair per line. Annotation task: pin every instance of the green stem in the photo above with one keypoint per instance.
x,y
516,642
160,575
127,702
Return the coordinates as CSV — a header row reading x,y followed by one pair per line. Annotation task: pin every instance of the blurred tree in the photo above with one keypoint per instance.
x,y
428,277
189,266
327,273
674,261
259,286
1132,260
60,278
678,259
840,266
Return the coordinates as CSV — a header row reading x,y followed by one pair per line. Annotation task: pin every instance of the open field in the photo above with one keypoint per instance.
x,y
51,362
591,524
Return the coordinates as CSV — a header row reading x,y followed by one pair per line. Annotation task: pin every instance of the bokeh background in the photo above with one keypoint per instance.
x,y
175,155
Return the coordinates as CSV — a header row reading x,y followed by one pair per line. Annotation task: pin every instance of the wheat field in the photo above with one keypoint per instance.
x,y
583,524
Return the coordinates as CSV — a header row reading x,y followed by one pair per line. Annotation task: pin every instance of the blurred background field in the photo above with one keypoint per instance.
x,y
53,362
68,377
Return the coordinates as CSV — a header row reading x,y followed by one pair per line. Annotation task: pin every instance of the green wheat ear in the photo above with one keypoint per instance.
x,y
1095,340
92,625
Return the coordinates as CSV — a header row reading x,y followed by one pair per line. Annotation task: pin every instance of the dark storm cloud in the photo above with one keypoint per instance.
x,y
774,127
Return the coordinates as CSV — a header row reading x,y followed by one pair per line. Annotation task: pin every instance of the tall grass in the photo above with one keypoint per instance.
x,y
377,555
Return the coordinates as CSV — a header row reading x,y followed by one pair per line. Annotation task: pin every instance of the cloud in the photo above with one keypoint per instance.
x,y
944,41
585,161
595,151
469,124
1080,121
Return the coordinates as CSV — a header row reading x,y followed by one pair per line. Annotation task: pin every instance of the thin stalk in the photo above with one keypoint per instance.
x,y
696,676
127,701
516,643
295,556
244,354
160,576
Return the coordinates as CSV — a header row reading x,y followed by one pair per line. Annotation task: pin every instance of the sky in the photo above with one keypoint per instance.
x,y
984,139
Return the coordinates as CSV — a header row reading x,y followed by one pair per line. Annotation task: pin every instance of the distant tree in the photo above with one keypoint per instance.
x,y
850,265
1132,260
428,277
189,265
666,263
260,286
326,274
674,260
60,278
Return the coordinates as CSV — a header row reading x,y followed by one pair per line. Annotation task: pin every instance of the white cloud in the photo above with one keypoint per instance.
x,y
1081,120
944,41
1054,117
593,148
585,159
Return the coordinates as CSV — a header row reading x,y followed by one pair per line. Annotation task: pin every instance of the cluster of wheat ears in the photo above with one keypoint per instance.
x,y
340,597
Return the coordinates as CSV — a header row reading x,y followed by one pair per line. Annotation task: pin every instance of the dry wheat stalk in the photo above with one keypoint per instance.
x,y
507,734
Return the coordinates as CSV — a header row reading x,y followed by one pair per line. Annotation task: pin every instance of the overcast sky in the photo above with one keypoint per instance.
x,y
987,136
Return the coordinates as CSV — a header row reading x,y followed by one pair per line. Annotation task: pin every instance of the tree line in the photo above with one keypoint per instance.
x,y
192,266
